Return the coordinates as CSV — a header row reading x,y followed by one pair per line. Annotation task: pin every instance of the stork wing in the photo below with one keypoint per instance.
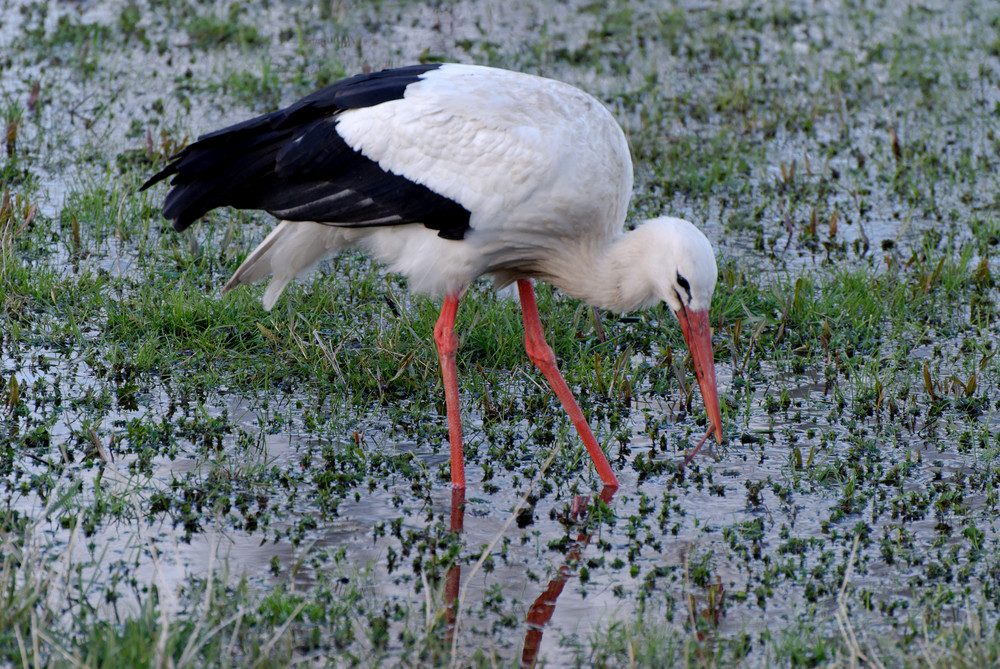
x,y
294,164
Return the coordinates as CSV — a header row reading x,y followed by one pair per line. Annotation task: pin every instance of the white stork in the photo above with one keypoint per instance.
x,y
445,173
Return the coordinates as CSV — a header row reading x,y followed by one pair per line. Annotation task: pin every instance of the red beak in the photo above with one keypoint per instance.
x,y
698,333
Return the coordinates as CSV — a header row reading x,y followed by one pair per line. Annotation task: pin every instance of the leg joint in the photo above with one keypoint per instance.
x,y
446,339
540,352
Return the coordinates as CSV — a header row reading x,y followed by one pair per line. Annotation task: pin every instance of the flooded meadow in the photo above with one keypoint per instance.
x,y
189,480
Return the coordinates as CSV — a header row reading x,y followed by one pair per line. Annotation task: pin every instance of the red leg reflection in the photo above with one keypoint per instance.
x,y
454,577
541,611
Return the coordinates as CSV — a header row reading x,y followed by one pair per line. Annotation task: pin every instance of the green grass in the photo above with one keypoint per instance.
x,y
209,31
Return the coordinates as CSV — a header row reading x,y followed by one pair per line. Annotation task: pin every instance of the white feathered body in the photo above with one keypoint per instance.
x,y
542,167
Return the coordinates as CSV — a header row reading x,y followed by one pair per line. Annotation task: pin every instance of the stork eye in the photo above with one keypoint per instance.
x,y
683,283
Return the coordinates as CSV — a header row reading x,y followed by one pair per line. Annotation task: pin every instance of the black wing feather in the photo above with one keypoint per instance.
x,y
294,164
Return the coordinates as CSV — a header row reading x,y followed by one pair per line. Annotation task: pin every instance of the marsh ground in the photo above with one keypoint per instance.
x,y
189,480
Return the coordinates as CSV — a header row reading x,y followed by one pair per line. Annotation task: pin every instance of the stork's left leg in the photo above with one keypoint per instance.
x,y
447,345
543,357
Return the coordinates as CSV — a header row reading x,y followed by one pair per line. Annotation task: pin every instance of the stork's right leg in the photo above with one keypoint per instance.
x,y
543,357
447,345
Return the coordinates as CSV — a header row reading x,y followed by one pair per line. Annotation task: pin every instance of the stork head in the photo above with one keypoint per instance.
x,y
685,279
685,270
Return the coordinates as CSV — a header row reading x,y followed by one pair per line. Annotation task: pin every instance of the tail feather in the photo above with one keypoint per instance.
x,y
292,249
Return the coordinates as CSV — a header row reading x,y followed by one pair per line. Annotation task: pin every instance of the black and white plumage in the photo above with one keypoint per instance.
x,y
294,164
445,173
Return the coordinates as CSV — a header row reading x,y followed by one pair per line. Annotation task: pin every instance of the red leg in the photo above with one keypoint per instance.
x,y
543,357
447,345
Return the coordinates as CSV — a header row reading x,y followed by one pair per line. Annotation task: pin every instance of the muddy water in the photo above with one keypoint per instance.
x,y
710,512
723,501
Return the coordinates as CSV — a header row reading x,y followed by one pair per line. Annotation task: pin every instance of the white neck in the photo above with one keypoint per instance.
x,y
664,259
616,276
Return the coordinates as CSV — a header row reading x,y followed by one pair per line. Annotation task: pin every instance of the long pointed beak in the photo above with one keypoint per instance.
x,y
698,333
